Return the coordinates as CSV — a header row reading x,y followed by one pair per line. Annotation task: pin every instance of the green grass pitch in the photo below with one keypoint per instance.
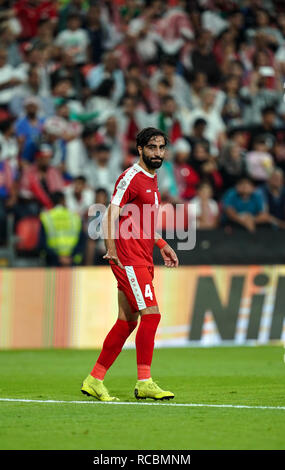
x,y
253,376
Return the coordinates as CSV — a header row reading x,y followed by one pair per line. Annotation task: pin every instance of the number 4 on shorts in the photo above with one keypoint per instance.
x,y
147,292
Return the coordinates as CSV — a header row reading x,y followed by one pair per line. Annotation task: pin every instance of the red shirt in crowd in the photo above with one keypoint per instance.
x,y
29,14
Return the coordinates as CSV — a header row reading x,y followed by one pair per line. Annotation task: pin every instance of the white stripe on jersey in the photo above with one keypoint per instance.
x,y
135,287
125,181
123,185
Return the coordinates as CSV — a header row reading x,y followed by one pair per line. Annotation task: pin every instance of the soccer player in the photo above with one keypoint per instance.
x,y
134,204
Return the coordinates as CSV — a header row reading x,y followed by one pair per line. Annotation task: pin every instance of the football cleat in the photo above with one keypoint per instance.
x,y
149,389
95,388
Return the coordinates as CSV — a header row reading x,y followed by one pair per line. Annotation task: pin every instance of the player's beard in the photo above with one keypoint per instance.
x,y
152,162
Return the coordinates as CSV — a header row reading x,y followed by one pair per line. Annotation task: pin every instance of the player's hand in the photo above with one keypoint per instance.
x,y
169,257
113,257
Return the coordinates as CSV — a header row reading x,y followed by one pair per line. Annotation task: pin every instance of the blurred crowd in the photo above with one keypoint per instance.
x,y
79,79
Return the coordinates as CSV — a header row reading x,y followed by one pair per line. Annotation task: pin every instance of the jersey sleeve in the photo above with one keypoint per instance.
x,y
125,189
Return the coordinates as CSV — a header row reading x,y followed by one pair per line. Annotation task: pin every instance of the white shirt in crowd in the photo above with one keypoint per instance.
x,y
215,124
195,209
100,176
76,158
7,72
75,43
9,151
79,206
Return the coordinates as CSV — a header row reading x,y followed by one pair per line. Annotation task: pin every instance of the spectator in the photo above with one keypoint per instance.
x,y
243,206
187,178
55,134
271,35
95,246
198,133
236,24
225,50
212,19
37,184
98,171
102,102
77,7
32,87
71,159
39,55
146,31
280,53
206,167
278,153
204,208
110,135
79,197
7,195
130,10
175,29
69,70
44,37
88,142
274,195
61,240
198,83
74,40
237,69
215,130
280,22
162,90
202,58
10,44
167,182
169,119
258,93
178,86
8,143
29,13
63,90
268,129
232,164
128,55
232,111
131,121
101,33
108,70
28,128
135,89
11,79
259,162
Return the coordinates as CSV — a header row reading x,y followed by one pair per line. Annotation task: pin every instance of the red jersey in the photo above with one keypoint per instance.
x,y
136,191
29,15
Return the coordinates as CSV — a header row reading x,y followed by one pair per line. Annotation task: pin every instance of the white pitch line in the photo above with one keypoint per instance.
x,y
191,405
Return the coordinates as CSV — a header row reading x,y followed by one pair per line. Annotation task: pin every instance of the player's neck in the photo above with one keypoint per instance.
x,y
143,165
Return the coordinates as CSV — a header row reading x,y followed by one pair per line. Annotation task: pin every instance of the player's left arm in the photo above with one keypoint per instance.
x,y
168,254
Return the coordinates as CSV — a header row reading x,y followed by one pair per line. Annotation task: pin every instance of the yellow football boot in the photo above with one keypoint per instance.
x,y
95,388
149,389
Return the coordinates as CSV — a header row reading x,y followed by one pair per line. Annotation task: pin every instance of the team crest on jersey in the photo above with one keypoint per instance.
x,y
122,184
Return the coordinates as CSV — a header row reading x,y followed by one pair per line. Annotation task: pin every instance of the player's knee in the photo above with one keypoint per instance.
x,y
151,320
150,310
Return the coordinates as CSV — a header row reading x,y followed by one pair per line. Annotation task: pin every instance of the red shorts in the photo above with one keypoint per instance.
x,y
136,283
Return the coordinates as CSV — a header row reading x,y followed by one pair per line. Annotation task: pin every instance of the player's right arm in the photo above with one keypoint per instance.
x,y
109,223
